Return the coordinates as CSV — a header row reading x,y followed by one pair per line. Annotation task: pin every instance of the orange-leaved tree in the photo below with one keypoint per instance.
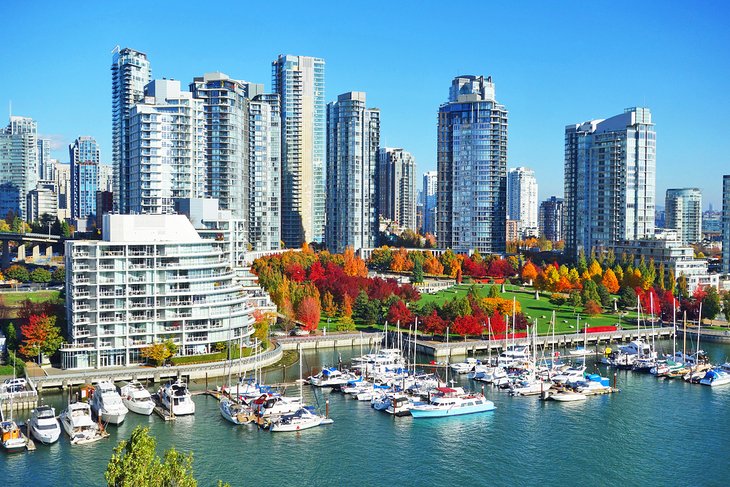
x,y
40,336
309,313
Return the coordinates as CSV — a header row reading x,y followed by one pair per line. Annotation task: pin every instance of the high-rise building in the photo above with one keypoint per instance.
x,y
45,167
18,165
551,219
130,73
683,212
353,137
726,224
522,200
225,107
166,149
397,186
429,202
264,159
610,181
106,177
472,168
84,157
150,279
62,173
299,81
43,200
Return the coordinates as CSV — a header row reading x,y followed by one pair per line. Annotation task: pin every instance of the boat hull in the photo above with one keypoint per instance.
x,y
299,426
113,418
15,445
47,437
434,412
145,409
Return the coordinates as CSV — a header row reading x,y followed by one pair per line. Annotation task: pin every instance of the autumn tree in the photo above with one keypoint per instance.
x,y
328,305
610,281
434,324
308,313
157,353
399,313
432,265
354,266
529,272
467,325
18,273
347,306
592,308
40,336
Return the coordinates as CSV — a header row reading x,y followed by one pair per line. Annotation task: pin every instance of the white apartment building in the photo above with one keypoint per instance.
x,y
166,149
150,279
522,200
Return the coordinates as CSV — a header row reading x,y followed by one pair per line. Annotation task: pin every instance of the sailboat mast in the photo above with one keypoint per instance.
x,y
674,328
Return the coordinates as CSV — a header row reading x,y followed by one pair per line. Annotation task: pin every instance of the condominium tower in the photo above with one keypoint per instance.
x,y
522,200
225,103
18,165
610,181
397,186
84,157
130,73
299,81
683,210
726,224
428,195
551,219
472,168
353,137
167,149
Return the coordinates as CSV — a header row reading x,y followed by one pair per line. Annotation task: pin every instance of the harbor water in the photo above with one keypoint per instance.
x,y
653,432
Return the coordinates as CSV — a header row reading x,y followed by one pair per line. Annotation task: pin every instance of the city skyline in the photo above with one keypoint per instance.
x,y
544,88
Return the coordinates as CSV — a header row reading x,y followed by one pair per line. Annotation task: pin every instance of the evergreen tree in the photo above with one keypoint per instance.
x,y
417,276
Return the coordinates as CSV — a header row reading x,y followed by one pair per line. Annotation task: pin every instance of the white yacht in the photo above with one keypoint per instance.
x,y
530,386
514,356
269,405
137,399
76,421
43,425
303,418
176,398
464,367
107,403
452,402
568,396
570,375
329,377
400,405
235,412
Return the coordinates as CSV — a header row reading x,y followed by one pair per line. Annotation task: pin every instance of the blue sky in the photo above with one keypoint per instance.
x,y
553,63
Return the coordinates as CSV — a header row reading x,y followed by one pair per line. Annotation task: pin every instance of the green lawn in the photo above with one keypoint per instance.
x,y
13,299
565,318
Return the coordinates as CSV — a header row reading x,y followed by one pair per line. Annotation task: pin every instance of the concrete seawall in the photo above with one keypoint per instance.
x,y
158,374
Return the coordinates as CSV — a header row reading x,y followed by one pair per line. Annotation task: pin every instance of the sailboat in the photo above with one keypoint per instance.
x,y
303,418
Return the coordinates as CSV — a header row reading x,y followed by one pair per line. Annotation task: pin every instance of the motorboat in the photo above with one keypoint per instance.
x,y
400,405
447,401
13,440
303,418
568,396
43,425
381,401
464,367
715,377
530,387
175,397
268,405
330,377
235,412
569,375
593,384
514,356
137,398
76,421
644,364
107,403
581,352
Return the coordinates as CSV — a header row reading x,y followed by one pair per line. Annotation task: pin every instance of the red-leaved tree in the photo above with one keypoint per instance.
x,y
309,312
467,325
434,324
399,312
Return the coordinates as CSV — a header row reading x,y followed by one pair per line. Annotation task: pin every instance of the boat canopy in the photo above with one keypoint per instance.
x,y
445,390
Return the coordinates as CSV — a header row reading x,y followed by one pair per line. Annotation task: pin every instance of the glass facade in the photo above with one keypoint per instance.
x,y
472,168
522,200
18,165
726,224
683,210
610,181
353,135
130,73
397,186
299,82
84,156
429,202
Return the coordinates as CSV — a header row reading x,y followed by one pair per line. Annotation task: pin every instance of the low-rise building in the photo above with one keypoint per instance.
x,y
150,279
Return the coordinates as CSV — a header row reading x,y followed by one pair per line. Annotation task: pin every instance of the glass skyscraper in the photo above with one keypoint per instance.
x,y
353,139
225,103
397,186
130,73
84,157
299,81
167,149
550,219
610,181
472,168
522,200
726,224
683,210
428,195
18,165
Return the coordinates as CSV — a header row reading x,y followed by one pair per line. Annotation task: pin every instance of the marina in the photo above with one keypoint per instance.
x,y
515,428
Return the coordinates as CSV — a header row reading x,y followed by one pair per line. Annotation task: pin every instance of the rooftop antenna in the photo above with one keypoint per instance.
x,y
116,49
10,109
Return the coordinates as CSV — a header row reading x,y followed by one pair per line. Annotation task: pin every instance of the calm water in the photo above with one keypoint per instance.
x,y
652,433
